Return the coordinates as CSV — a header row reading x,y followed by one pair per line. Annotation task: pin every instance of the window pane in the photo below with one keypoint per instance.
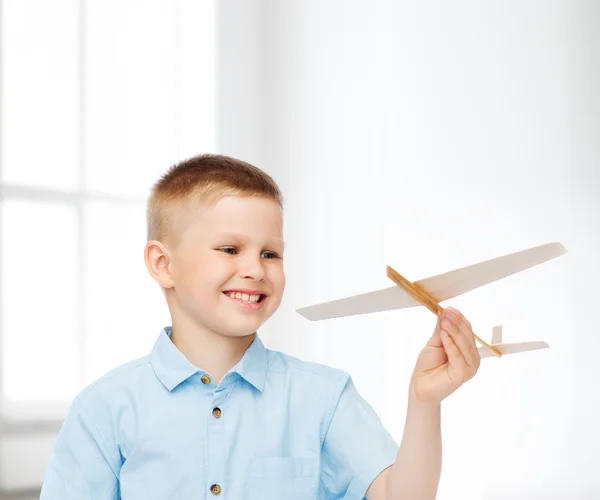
x,y
40,360
125,309
150,94
39,94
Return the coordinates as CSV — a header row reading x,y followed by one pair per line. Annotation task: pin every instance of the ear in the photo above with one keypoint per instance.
x,y
158,262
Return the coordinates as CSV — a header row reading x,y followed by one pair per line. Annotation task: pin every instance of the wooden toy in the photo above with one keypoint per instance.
x,y
429,292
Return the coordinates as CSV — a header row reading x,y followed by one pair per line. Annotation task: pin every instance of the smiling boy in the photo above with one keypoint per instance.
x,y
211,412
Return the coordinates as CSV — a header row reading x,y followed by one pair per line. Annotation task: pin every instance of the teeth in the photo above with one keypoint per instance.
x,y
244,296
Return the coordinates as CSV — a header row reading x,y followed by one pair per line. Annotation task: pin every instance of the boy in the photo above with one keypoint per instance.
x,y
212,413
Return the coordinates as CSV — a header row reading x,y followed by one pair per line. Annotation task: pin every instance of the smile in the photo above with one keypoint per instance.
x,y
252,302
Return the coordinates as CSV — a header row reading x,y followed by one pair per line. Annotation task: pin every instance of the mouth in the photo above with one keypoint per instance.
x,y
248,299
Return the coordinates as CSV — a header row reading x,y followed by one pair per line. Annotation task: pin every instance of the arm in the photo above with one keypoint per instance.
x,y
417,469
449,359
81,465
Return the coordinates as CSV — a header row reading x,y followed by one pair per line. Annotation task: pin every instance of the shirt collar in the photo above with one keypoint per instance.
x,y
172,367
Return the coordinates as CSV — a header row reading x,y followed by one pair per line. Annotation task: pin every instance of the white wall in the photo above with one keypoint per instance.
x,y
239,72
429,136
585,209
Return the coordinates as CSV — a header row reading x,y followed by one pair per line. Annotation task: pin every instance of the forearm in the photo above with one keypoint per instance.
x,y
415,474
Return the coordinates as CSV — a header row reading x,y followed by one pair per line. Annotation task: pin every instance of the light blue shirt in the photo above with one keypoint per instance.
x,y
274,428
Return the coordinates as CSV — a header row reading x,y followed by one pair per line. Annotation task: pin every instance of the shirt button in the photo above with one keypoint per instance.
x,y
217,412
215,489
205,379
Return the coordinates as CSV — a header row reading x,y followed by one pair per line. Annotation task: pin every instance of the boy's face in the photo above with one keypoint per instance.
x,y
229,255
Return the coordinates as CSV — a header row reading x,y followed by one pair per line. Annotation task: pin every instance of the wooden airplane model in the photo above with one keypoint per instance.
x,y
429,292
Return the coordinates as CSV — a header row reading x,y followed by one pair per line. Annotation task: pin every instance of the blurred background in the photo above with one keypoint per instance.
x,y
423,135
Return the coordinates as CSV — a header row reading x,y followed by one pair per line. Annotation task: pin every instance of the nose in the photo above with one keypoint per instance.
x,y
252,268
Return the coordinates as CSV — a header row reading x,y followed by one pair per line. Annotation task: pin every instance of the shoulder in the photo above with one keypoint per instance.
x,y
308,379
117,385
280,362
106,410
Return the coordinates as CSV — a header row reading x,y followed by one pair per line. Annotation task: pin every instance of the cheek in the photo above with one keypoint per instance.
x,y
277,277
206,273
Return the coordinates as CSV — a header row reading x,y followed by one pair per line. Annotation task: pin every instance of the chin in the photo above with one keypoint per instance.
x,y
238,334
239,330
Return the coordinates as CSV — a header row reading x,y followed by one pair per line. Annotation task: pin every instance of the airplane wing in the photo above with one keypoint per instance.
x,y
513,348
451,284
386,299
441,287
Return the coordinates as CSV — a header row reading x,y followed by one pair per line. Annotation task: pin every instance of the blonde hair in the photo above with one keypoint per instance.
x,y
204,178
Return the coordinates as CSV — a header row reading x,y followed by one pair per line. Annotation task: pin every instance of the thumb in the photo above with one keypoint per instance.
x,y
436,340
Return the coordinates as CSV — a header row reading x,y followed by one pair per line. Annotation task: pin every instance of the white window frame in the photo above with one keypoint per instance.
x,y
34,417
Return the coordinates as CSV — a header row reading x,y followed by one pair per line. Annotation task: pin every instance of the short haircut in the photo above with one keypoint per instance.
x,y
204,178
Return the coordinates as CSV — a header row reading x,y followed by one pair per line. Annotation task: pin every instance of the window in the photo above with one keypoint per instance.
x,y
97,100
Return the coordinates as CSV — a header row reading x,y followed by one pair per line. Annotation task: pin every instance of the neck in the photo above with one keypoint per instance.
x,y
209,351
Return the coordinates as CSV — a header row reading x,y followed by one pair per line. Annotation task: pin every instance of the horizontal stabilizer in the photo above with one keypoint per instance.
x,y
514,348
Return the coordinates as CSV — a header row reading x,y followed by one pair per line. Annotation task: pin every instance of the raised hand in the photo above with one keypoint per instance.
x,y
449,359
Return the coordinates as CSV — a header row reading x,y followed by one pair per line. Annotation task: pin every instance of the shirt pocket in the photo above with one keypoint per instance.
x,y
292,478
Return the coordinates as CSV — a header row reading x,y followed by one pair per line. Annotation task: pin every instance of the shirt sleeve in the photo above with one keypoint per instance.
x,y
81,465
356,448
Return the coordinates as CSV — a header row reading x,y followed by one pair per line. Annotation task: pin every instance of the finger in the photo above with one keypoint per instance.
x,y
435,340
464,338
473,357
455,358
465,328
459,340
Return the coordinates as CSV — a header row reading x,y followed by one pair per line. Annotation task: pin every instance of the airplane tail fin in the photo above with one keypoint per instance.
x,y
497,335
511,348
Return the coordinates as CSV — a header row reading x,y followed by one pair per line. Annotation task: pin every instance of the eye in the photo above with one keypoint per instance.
x,y
229,250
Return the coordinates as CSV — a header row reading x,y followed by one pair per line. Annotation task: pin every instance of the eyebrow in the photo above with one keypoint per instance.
x,y
244,237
